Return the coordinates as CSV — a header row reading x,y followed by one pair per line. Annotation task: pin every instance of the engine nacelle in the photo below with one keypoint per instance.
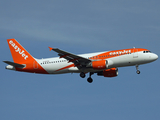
x,y
113,72
101,65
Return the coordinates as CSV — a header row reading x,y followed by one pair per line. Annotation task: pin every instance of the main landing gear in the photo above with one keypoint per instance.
x,y
90,80
82,75
138,72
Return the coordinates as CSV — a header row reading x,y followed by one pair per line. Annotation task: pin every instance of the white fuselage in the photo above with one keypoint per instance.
x,y
55,65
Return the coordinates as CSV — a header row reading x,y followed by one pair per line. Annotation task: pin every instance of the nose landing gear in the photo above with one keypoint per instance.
x,y
138,72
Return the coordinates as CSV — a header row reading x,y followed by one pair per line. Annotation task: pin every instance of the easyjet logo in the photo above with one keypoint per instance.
x,y
17,49
120,52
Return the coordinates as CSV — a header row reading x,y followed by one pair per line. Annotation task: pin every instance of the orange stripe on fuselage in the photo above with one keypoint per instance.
x,y
72,65
33,67
115,53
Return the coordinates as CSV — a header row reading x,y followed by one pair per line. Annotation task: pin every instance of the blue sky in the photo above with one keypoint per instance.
x,y
80,27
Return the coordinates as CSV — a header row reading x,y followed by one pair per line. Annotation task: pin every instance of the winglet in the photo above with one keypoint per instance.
x,y
50,48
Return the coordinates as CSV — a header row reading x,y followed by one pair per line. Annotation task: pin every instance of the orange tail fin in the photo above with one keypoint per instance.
x,y
22,57
19,54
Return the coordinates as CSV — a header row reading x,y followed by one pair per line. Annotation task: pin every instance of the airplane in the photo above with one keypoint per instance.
x,y
102,63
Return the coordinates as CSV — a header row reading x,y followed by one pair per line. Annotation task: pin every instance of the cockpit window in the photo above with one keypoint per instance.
x,y
146,51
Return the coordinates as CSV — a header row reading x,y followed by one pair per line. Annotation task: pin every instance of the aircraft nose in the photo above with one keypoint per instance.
x,y
154,57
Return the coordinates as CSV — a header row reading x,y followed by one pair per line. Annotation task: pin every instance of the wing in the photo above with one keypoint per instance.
x,y
77,60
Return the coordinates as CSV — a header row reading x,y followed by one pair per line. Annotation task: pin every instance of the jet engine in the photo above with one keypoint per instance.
x,y
113,72
101,65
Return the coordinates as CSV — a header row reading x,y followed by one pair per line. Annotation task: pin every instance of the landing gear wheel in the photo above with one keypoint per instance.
x,y
90,80
138,72
82,75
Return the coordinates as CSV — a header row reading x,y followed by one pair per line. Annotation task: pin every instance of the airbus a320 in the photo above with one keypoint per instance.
x,y
102,63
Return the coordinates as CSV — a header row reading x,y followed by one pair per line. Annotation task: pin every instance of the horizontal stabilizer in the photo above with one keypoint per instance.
x,y
15,64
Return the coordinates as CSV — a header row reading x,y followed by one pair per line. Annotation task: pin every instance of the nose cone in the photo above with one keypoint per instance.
x,y
154,57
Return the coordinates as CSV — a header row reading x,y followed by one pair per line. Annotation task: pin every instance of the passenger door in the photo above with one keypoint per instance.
x,y
135,53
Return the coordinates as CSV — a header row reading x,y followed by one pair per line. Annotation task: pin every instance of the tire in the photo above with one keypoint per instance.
x,y
90,80
82,75
138,72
